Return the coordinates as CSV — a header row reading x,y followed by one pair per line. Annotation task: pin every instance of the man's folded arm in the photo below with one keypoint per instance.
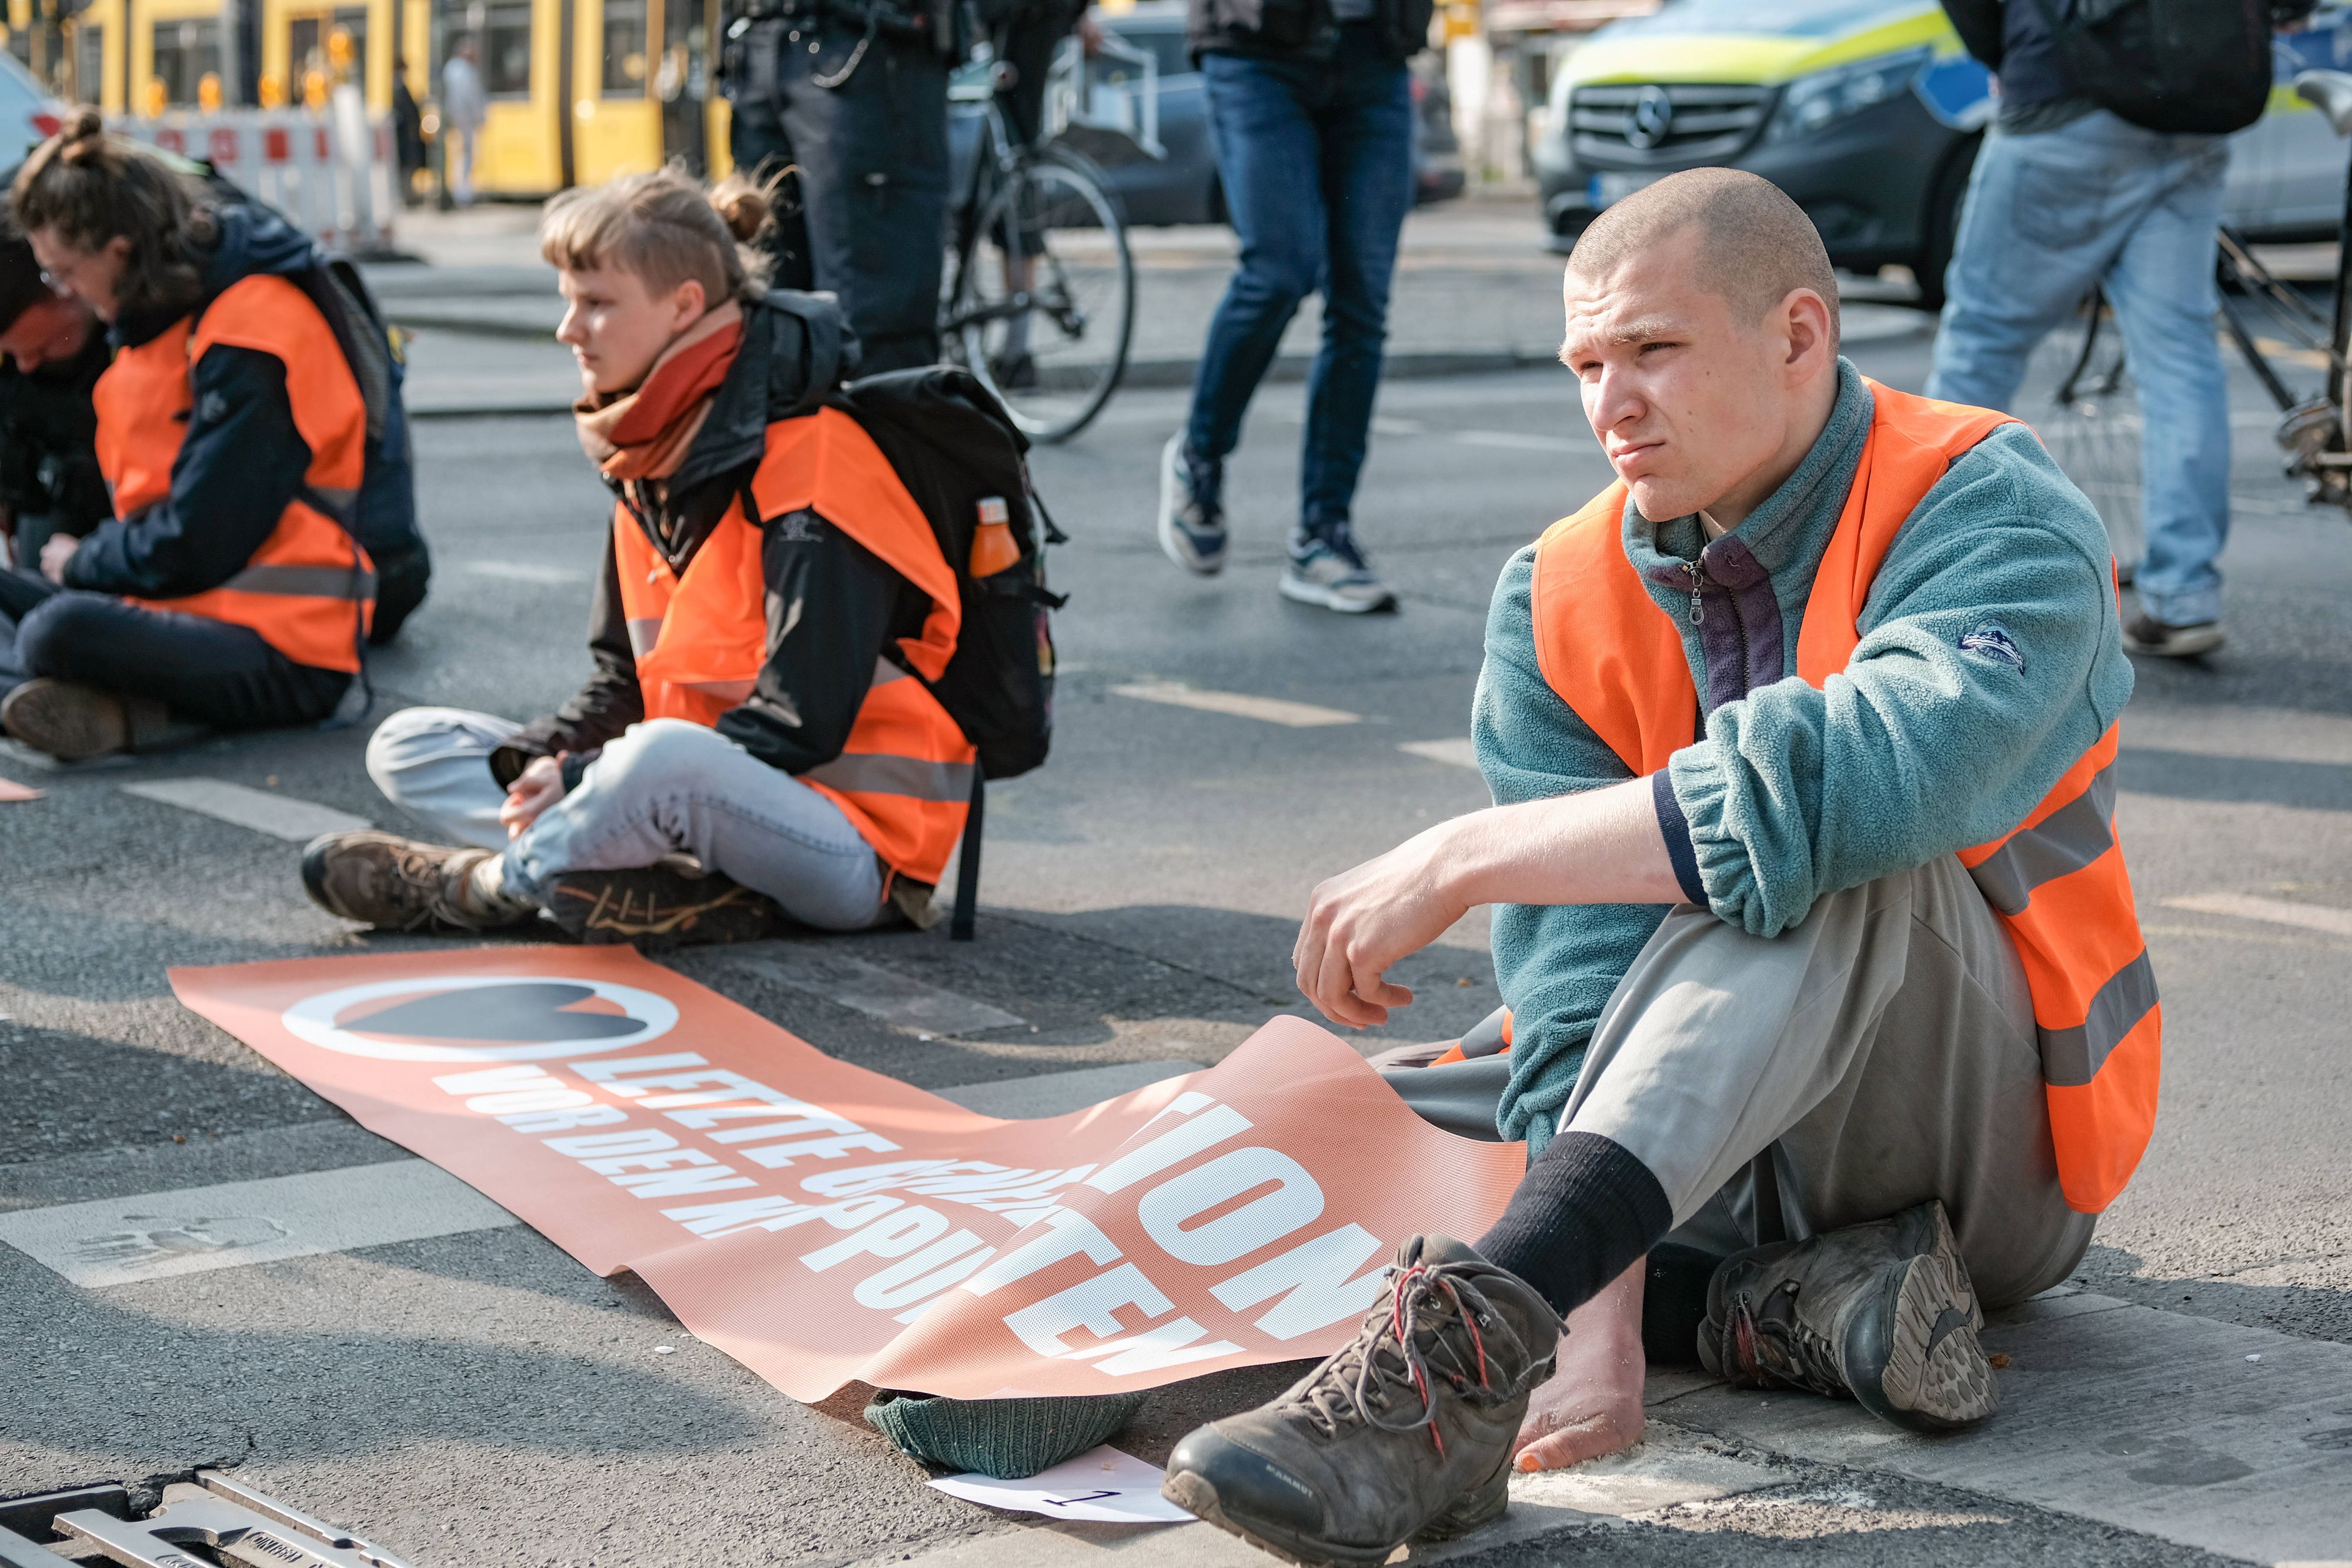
x,y
1990,662
1555,963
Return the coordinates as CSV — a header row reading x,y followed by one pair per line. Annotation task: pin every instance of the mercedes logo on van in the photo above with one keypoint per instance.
x,y
1652,118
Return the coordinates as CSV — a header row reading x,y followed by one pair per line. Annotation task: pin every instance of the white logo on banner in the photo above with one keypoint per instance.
x,y
526,1018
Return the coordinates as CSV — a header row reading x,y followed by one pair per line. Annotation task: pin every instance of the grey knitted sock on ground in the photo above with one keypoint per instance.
x,y
1007,1438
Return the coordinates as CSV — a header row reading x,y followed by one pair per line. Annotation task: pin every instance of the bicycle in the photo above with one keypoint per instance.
x,y
1039,285
2094,433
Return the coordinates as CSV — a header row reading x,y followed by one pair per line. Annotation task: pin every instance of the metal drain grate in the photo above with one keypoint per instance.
x,y
212,1522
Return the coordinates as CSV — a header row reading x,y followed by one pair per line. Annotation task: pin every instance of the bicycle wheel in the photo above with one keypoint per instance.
x,y
2093,432
1045,307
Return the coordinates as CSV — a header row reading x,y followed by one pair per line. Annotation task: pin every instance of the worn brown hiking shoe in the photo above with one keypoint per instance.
x,y
399,885
73,722
659,906
1405,1433
1882,1313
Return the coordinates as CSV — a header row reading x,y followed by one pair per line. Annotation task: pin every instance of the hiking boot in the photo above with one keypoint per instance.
x,y
399,885
1191,510
1405,1433
659,906
73,722
1882,1313
2143,634
1326,569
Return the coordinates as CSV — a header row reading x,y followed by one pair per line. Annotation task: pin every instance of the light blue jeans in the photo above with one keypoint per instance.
x,y
663,787
2100,201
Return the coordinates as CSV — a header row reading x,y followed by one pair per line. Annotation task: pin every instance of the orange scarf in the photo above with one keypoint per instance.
x,y
645,434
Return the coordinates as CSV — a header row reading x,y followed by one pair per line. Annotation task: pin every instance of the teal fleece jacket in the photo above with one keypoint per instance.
x,y
1991,660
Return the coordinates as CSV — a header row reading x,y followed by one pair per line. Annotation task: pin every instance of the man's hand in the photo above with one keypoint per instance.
x,y
1361,922
1604,846
55,553
536,788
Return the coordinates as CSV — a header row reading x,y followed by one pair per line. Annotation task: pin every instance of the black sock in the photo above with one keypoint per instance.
x,y
1585,1212
1674,1302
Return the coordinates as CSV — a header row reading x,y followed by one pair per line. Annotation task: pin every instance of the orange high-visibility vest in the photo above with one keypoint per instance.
x,y
904,778
310,589
2056,881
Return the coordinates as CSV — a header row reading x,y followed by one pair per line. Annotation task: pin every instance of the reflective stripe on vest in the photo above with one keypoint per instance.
x,y
310,589
904,777
2056,882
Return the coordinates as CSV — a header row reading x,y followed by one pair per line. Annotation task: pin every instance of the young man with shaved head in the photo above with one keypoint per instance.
x,y
1830,1024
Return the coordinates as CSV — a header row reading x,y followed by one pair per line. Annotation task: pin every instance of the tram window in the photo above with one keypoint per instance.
x,y
625,48
310,42
185,51
88,60
506,51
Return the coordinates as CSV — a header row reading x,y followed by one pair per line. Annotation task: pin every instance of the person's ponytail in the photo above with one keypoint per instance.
x,y
665,229
90,187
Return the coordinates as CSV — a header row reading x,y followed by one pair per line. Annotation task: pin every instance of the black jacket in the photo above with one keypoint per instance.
x,y
834,608
1283,29
48,439
2013,40
241,461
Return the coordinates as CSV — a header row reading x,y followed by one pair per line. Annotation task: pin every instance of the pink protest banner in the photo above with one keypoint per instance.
x,y
825,1223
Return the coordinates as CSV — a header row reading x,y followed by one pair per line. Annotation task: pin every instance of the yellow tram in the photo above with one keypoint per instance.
x,y
578,90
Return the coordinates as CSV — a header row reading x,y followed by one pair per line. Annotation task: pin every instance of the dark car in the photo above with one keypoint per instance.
x,y
1179,186
1868,113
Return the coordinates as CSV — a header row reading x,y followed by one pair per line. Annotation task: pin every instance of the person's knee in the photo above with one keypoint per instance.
x,y
1360,319
656,756
412,739
1277,278
58,636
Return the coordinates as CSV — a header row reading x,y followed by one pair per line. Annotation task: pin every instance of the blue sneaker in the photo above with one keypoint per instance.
x,y
1192,512
1328,570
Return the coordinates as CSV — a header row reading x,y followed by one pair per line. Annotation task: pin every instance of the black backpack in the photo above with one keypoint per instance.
x,y
2168,65
955,450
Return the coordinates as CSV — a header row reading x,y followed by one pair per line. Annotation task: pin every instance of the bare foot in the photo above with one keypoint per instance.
x,y
1592,1405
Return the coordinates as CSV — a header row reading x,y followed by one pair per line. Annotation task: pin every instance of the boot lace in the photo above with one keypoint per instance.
x,y
1777,1347
1392,1361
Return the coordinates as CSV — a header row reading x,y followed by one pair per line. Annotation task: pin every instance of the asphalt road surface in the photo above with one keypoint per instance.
x,y
478,1398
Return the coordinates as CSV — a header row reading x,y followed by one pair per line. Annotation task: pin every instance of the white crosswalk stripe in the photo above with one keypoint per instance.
x,y
285,817
2278,910
827,972
1460,753
1240,704
158,1235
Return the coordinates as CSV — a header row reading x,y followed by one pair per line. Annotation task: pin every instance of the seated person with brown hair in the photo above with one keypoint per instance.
x,y
753,730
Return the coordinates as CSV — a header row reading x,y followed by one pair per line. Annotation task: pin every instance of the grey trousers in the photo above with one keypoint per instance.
x,y
663,787
1879,1053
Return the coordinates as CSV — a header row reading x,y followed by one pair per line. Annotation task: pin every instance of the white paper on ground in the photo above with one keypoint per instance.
x,y
1101,1484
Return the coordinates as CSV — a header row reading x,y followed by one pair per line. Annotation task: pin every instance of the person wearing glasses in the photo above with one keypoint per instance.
x,y
229,589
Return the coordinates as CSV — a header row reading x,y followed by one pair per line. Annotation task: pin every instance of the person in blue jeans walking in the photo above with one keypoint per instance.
x,y
1310,110
2067,196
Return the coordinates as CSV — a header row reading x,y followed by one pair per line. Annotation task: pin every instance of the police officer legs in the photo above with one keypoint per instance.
x,y
860,111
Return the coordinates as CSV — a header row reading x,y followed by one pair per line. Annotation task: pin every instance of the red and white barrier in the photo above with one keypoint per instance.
x,y
332,173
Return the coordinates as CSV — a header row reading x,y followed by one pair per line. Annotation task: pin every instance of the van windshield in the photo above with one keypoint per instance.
x,y
1788,18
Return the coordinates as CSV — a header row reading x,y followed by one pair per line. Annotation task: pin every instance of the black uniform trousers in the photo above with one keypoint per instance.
x,y
866,220
209,671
